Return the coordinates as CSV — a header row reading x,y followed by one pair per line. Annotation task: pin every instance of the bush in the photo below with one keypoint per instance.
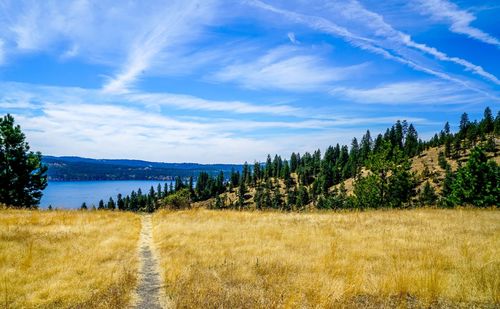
x,y
178,200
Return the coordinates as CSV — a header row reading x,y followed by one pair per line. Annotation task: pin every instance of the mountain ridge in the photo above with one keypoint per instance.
x,y
75,168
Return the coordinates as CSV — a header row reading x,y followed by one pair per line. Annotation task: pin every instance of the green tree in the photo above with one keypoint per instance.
x,y
411,142
84,206
111,204
366,146
120,203
293,162
179,200
476,183
464,125
22,174
256,172
497,124
369,191
428,195
242,189
488,123
390,184
302,197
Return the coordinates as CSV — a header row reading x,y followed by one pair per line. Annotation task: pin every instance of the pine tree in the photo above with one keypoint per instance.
x,y
256,172
447,128
244,173
120,203
477,182
152,193
302,197
488,123
269,167
428,196
496,129
165,189
111,204
411,142
293,162
159,191
179,185
464,125
101,204
366,146
276,201
84,206
22,174
241,195
235,179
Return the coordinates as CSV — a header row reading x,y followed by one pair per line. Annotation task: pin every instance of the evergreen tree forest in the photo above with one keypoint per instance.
x,y
379,167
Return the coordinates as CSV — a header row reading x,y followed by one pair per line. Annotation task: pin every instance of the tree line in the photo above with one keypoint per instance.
x,y
380,167
380,170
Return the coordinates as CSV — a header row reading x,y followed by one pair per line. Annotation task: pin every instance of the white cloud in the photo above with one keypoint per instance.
x,y
286,68
459,20
382,39
189,102
292,38
176,24
355,12
75,121
105,131
421,92
129,38
12,93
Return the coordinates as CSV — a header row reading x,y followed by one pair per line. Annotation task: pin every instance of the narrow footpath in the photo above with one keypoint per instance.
x,y
149,288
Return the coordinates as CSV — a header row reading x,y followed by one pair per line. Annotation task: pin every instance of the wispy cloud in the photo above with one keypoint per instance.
x,y
13,93
292,38
356,12
382,39
129,38
286,68
415,92
188,102
177,23
458,19
90,123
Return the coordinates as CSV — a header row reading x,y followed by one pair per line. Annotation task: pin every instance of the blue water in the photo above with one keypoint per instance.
x,y
72,194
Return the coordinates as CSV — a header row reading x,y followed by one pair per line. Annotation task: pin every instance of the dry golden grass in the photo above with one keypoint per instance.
x,y
409,258
67,258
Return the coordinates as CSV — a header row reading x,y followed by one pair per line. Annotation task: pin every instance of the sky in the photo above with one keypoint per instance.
x,y
213,81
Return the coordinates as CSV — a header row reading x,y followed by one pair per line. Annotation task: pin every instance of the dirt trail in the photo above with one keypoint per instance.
x,y
149,288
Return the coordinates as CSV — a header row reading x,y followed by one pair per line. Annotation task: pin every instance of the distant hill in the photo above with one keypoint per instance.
x,y
77,168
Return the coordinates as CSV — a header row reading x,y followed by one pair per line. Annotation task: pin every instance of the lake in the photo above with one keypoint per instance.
x,y
71,194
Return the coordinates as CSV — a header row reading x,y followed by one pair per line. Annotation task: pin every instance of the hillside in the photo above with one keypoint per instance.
x,y
395,169
76,168
425,167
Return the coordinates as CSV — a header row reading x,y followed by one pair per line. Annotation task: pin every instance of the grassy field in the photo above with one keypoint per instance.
x,y
67,258
379,258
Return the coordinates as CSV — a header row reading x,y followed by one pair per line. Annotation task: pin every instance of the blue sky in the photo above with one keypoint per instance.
x,y
230,81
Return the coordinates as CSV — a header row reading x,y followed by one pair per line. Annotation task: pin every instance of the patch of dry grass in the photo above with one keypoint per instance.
x,y
424,257
67,258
